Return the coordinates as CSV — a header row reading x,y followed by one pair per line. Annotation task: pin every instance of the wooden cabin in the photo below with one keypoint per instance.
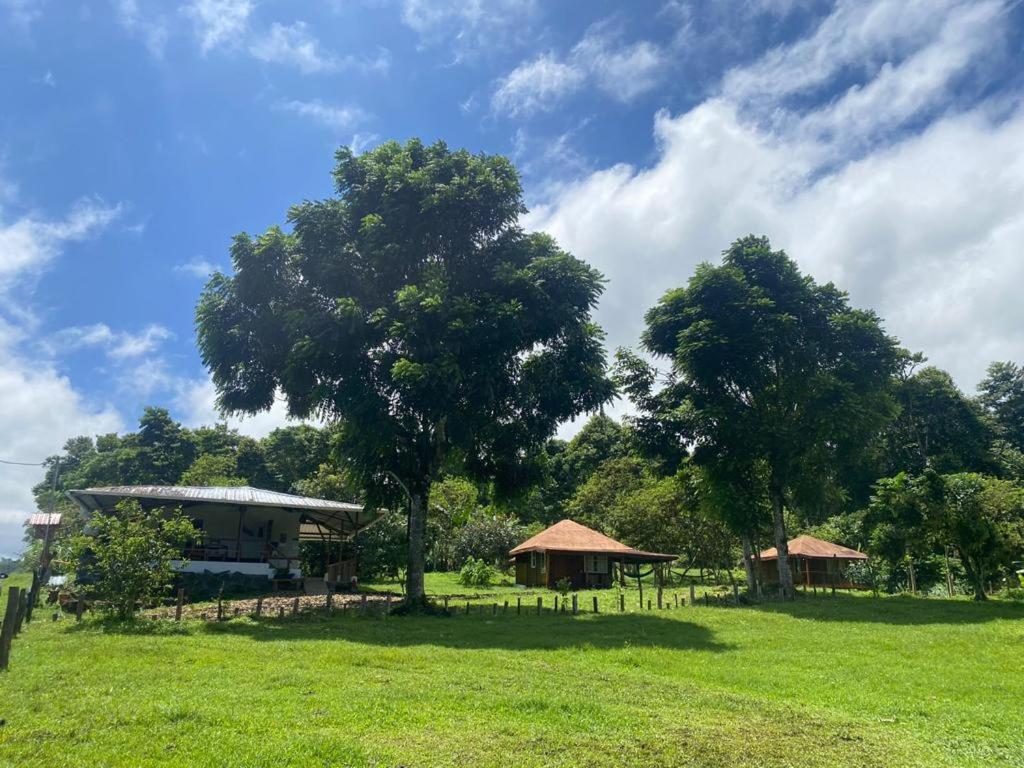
x,y
813,562
582,555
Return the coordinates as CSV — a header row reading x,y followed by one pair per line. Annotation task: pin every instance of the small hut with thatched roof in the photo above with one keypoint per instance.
x,y
813,562
580,554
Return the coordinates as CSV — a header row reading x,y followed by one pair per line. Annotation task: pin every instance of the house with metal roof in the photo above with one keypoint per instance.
x,y
243,529
813,562
584,556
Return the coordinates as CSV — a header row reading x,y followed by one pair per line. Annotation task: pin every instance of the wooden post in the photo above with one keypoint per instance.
x,y
595,603
22,610
494,609
33,595
574,605
519,605
505,609
707,600
180,604
362,606
556,603
330,599
540,605
7,629
467,607
640,586
280,611
648,604
676,596
259,606
220,608
238,611
659,597
693,595
446,603
622,602
387,606
295,606
79,607
736,594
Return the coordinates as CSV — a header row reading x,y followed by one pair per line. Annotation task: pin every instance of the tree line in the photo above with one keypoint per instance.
x,y
445,344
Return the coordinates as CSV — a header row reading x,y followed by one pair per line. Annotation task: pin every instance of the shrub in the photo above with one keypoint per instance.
x,y
564,585
1016,594
125,559
208,585
477,573
487,537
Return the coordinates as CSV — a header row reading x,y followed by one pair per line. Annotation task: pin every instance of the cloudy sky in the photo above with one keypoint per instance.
x,y
881,142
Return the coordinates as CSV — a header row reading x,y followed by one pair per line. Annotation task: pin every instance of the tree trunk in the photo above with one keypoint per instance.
x,y
414,592
748,562
782,546
977,578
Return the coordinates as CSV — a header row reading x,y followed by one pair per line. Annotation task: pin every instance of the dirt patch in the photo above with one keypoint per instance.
x,y
274,603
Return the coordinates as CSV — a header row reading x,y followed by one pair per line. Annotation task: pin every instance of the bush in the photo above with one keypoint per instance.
x,y
487,537
126,559
477,573
1016,594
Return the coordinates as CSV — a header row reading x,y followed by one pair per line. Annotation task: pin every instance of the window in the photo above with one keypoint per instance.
x,y
595,563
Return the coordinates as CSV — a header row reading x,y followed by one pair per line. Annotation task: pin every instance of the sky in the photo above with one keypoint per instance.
x,y
879,142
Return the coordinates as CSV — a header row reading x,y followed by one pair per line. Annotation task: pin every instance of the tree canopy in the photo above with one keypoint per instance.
x,y
415,312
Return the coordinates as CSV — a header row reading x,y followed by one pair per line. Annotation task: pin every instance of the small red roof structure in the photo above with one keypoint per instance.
x,y
808,546
570,536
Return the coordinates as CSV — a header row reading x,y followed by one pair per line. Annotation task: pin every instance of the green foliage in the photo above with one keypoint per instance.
x,y
125,558
477,573
487,536
563,586
213,469
768,368
983,517
381,548
413,309
1001,393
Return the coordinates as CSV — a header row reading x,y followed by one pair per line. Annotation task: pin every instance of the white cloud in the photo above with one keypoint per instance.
x,y
339,118
196,401
922,226
622,71
28,244
198,267
469,27
152,28
21,13
294,45
536,85
219,22
118,345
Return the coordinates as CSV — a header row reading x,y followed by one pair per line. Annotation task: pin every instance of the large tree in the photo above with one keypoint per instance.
x,y
413,310
1002,394
778,370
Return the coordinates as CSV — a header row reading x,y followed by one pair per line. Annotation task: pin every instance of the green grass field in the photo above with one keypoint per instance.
x,y
850,680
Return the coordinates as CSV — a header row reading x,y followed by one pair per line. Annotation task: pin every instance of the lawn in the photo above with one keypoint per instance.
x,y
846,680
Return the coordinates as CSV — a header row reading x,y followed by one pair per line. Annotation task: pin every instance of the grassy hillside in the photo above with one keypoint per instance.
x,y
847,680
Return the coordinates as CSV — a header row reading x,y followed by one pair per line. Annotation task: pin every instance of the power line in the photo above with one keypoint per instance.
x,y
24,463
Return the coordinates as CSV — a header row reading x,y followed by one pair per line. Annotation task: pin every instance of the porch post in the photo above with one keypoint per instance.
x,y
238,537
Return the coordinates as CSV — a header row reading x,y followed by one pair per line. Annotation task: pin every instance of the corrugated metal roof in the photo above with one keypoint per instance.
x,y
45,518
570,536
808,546
215,494
339,516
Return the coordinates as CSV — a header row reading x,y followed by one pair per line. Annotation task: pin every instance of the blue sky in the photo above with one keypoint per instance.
x,y
879,141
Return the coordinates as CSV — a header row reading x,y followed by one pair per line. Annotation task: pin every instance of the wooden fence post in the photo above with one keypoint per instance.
x,y
676,596
648,603
505,609
238,611
220,609
79,607
519,605
693,595
33,595
556,603
659,597
280,611
259,606
22,609
622,602
595,603
446,603
362,606
467,607
295,605
736,594
540,605
179,604
387,606
574,604
7,629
